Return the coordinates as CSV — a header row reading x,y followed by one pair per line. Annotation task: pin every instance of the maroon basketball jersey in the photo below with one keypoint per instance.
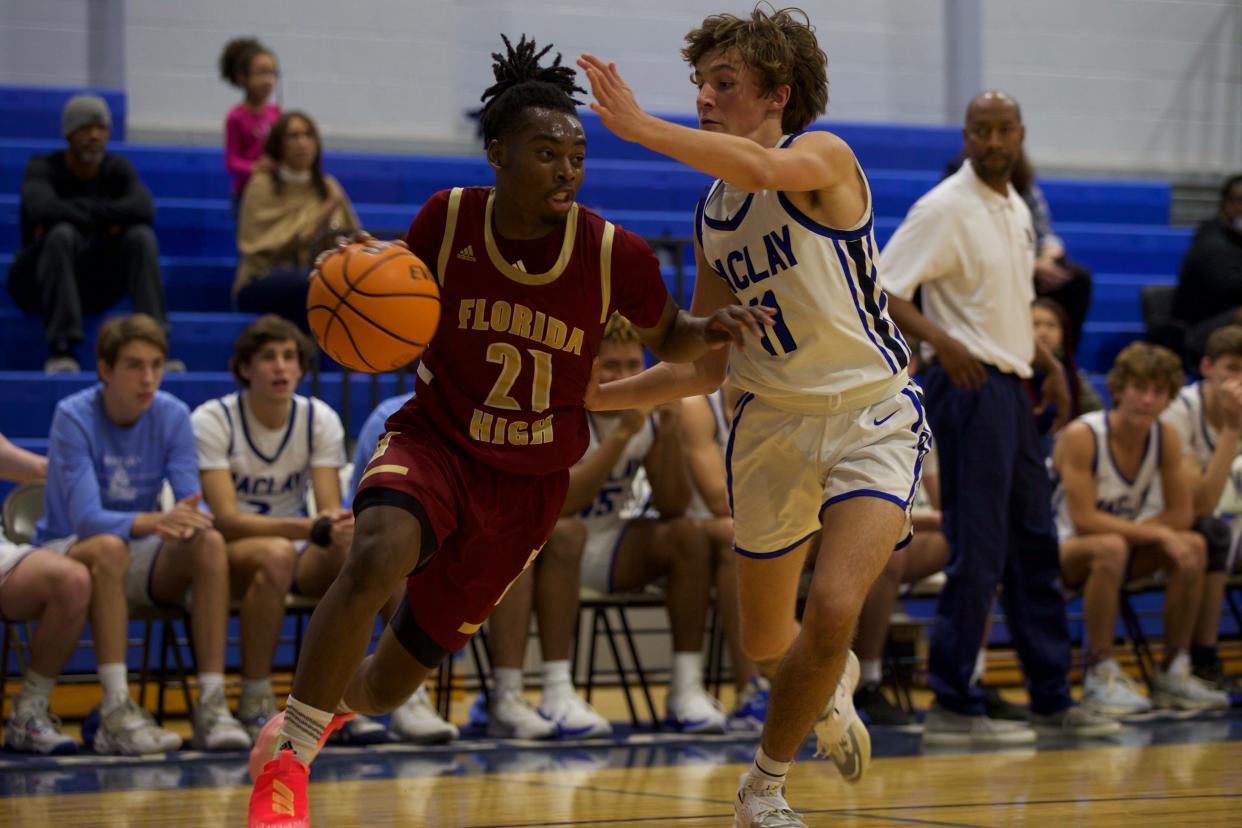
x,y
520,324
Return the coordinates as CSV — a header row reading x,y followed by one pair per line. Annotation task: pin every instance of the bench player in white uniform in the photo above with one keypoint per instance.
x,y
830,429
260,450
54,590
624,553
1208,418
1108,465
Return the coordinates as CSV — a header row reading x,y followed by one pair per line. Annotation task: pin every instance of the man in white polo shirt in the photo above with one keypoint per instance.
x,y
970,245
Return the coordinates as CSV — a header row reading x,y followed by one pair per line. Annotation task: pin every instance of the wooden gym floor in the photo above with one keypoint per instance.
x,y
1162,772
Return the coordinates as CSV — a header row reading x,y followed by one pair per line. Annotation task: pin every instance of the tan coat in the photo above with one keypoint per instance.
x,y
278,229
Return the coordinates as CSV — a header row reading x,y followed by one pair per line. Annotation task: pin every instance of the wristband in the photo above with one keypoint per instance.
x,y
321,531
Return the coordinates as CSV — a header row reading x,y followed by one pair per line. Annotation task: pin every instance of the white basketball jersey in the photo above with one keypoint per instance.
x,y
615,499
1188,416
715,400
1114,492
833,345
270,469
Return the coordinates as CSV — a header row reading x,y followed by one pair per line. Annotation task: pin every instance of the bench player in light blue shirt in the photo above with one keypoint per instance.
x,y
112,447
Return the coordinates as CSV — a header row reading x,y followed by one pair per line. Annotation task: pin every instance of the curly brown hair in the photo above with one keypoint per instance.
x,y
779,48
1143,362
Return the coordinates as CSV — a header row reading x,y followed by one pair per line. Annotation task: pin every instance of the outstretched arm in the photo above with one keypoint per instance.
x,y
818,161
671,380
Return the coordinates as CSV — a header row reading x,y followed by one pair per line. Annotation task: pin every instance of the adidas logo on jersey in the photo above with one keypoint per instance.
x,y
466,254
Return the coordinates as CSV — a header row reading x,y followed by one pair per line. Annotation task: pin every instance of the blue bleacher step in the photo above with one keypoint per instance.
x,y
34,111
205,227
31,396
660,184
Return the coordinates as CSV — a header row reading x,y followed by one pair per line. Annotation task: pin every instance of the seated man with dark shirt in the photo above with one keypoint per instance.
x,y
1209,286
86,238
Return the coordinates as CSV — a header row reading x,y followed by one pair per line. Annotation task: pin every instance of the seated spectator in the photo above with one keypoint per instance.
x,y
417,720
290,211
704,434
250,66
1209,285
260,450
111,449
1053,331
86,237
1066,282
1107,463
39,585
1207,416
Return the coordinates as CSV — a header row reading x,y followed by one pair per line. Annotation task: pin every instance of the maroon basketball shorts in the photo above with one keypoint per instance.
x,y
482,527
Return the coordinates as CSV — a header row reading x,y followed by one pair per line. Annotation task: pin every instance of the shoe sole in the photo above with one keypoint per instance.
x,y
1171,702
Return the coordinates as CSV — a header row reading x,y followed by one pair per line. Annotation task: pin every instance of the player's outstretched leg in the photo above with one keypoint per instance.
x,y
385,548
815,682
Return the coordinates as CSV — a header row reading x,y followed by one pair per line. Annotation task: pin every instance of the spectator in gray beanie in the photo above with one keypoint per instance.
x,y
86,237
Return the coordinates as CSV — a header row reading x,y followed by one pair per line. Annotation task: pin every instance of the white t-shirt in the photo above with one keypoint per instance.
x,y
1188,416
270,467
973,252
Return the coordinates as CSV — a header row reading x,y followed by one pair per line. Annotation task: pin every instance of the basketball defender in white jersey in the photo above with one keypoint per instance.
x,y
829,430
1108,466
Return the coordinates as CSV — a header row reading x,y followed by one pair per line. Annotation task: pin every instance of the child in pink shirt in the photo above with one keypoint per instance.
x,y
251,67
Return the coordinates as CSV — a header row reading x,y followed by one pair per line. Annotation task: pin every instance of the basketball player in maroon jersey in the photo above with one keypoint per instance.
x,y
469,479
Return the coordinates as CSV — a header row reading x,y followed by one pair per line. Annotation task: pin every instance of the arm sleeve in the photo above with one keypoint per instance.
x,y
211,436
427,230
71,472
921,250
180,462
328,440
128,201
1041,217
41,202
638,290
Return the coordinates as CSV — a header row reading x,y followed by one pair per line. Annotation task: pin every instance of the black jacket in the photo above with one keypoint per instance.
x,y
51,194
1211,277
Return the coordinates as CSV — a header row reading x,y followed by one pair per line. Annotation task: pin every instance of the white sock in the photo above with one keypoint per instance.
x,y
115,681
1180,665
507,679
869,671
556,679
767,769
303,728
981,667
208,684
36,689
687,673
259,688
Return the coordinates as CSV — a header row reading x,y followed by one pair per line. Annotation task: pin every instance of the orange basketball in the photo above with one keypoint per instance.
x,y
373,306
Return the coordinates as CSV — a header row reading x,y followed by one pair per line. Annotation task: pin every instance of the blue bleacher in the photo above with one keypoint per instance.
x,y
1118,228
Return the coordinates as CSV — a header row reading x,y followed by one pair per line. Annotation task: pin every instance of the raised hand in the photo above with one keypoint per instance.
x,y
614,100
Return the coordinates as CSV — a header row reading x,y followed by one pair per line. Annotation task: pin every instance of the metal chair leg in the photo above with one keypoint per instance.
x,y
616,657
638,667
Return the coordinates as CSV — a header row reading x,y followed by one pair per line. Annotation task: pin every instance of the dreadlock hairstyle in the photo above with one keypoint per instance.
x,y
521,84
